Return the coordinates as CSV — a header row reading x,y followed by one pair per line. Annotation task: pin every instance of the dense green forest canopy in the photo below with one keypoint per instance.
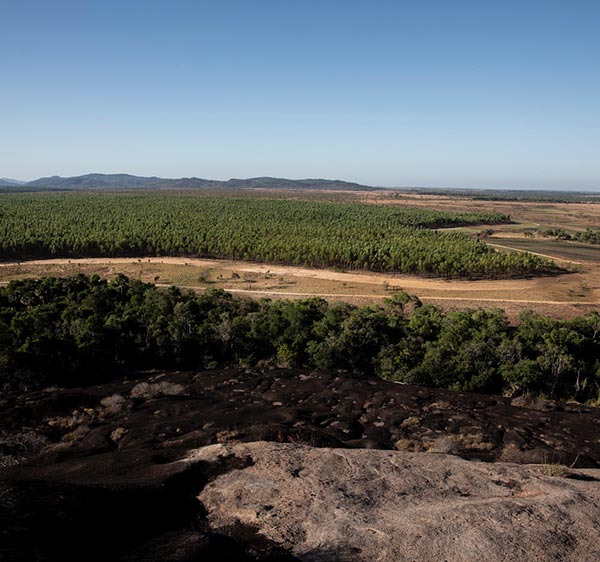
x,y
310,233
83,330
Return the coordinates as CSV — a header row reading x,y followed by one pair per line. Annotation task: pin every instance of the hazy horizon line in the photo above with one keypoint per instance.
x,y
372,185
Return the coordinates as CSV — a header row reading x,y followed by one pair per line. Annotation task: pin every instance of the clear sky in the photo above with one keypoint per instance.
x,y
482,93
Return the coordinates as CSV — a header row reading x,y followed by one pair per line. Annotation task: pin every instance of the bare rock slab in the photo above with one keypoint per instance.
x,y
376,505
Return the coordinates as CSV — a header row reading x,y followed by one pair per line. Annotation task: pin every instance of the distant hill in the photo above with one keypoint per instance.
x,y
279,183
127,181
98,181
6,182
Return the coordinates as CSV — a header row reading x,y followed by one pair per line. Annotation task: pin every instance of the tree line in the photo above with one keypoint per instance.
x,y
83,330
589,236
308,233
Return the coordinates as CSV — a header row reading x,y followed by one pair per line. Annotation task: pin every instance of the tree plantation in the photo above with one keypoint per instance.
x,y
84,330
309,233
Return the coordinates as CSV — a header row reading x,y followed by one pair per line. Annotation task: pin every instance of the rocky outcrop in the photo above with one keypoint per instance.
x,y
289,465
355,505
172,412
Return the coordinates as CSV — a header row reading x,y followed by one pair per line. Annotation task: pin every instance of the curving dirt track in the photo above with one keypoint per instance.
x,y
563,296
555,258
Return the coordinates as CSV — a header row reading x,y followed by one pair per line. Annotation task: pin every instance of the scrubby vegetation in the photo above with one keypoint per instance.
x,y
311,233
82,330
588,236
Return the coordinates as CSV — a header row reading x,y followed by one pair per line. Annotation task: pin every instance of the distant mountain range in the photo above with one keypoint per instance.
x,y
7,182
126,181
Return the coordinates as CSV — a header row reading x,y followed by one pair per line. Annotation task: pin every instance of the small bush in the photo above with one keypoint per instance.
x,y
534,403
18,447
118,434
77,434
513,454
409,445
149,391
411,422
454,444
114,404
444,444
554,469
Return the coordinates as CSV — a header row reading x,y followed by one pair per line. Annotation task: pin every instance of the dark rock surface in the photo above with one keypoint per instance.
x,y
92,473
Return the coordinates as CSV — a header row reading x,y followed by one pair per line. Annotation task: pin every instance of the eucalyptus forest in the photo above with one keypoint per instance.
x,y
85,330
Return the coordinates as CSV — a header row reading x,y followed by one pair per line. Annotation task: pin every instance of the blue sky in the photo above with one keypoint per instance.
x,y
398,93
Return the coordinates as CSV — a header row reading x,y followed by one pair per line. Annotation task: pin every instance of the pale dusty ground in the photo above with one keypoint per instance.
x,y
569,216
396,506
565,295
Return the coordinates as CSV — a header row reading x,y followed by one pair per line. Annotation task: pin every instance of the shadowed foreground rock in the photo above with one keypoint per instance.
x,y
173,412
352,505
292,465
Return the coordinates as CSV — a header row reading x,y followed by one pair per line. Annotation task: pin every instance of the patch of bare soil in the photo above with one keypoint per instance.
x,y
110,471
562,296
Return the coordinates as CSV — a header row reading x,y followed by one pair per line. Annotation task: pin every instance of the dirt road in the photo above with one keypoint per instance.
x,y
565,291
404,281
548,256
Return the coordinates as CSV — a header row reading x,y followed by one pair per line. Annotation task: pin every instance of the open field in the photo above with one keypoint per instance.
x,y
565,295
574,252
527,214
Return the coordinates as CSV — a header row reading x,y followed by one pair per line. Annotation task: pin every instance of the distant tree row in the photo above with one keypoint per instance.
x,y
311,233
588,236
84,330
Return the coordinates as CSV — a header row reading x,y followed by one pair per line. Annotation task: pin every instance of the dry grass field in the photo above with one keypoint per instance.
x,y
527,214
562,296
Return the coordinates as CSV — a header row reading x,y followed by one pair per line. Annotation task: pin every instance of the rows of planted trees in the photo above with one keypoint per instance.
x,y
312,233
83,330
